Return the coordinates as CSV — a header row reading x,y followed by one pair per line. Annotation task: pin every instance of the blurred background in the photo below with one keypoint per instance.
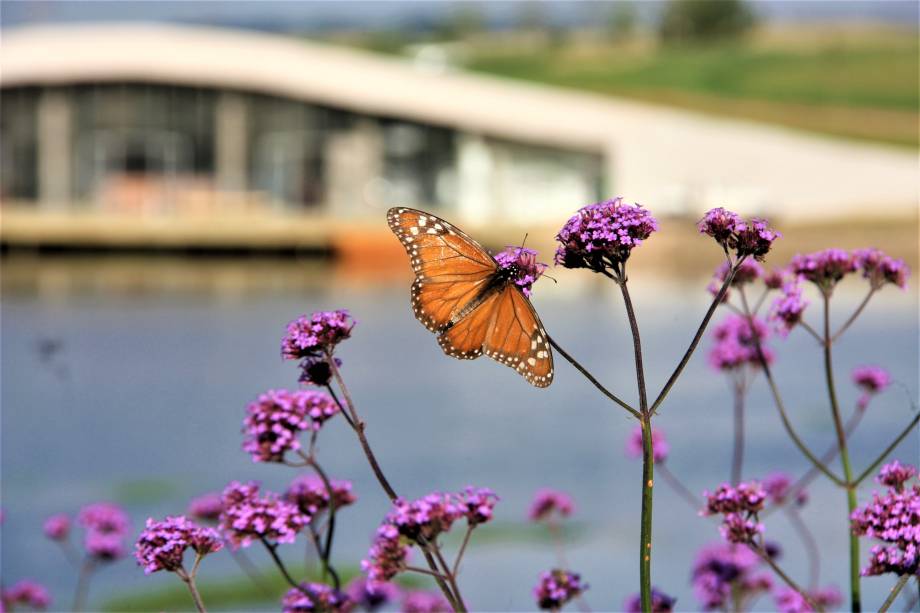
x,y
180,179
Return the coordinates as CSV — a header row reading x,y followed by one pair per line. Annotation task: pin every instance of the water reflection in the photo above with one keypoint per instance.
x,y
161,356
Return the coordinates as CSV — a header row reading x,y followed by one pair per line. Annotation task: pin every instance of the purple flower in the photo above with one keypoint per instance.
x,y
546,502
787,310
521,266
556,587
789,601
422,601
247,517
660,446
893,518
387,557
872,380
743,498
57,527
371,596
162,544
316,335
105,518
428,516
879,268
722,569
104,546
745,237
477,504
310,495
603,235
736,528
736,344
661,602
206,507
314,598
895,475
778,486
774,279
824,268
275,420
26,592
316,371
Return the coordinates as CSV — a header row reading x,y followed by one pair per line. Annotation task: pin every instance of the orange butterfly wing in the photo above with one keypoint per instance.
x,y
451,271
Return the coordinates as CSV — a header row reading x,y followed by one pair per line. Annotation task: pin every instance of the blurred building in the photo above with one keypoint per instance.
x,y
158,122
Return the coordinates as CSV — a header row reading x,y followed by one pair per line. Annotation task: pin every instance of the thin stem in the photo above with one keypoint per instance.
x,y
637,348
811,546
249,569
760,301
738,446
782,575
716,301
70,553
852,318
645,533
451,579
326,552
855,598
189,579
679,488
424,571
341,407
86,571
814,333
284,572
778,401
439,577
466,541
881,458
894,593
591,378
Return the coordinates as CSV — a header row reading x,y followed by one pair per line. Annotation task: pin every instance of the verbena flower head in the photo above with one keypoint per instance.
x,y
893,518
311,496
790,601
424,601
162,544
778,488
371,596
787,310
247,517
895,475
660,446
774,279
748,272
27,593
105,546
661,602
274,422
724,569
206,507
743,498
387,557
428,516
521,266
751,237
316,335
557,587
317,371
603,235
736,528
880,269
477,503
104,518
824,268
736,343
314,598
57,527
547,503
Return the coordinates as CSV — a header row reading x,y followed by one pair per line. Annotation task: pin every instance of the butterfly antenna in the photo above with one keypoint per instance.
x,y
525,239
549,277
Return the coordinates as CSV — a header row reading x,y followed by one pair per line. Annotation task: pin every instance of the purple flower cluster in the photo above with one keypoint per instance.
x,y
316,371
603,235
736,343
751,237
387,557
778,487
106,527
790,601
311,496
660,446
25,592
871,380
547,502
247,517
893,518
738,506
522,266
748,272
162,544
316,335
314,598
723,569
423,601
371,596
57,527
275,420
206,507
661,602
556,587
879,268
824,268
787,310
479,503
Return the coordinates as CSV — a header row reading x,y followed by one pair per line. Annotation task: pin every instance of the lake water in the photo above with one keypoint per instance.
x,y
142,403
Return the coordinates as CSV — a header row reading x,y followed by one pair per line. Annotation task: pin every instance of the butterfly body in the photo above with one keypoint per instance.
x,y
472,302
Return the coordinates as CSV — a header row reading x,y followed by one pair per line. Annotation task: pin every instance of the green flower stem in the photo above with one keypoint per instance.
x,y
894,593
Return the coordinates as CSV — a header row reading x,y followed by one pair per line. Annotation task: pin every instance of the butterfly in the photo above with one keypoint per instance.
x,y
472,303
